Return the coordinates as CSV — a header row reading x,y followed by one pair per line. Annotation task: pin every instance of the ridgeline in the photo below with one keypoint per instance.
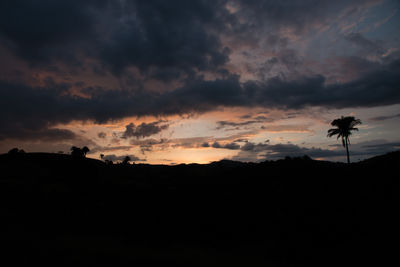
x,y
60,210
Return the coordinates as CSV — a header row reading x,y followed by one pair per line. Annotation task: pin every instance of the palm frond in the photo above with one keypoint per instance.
x,y
344,127
333,131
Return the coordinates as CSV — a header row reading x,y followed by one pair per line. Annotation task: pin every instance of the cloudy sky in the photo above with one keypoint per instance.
x,y
198,81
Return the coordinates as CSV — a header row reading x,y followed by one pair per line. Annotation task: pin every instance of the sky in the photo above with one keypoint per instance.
x,y
170,82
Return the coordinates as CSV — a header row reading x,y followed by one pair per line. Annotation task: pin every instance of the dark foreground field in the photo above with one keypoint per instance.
x,y
295,212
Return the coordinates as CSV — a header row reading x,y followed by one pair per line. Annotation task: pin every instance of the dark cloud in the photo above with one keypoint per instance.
x,y
201,95
205,144
170,36
28,114
96,149
231,146
351,67
31,108
370,46
383,118
190,142
102,135
45,31
144,129
115,158
34,133
238,124
256,152
295,15
261,151
291,150
375,88
161,38
380,148
169,40
25,108
246,116
148,145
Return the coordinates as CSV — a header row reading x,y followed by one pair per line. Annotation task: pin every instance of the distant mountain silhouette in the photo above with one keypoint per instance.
x,y
62,210
391,158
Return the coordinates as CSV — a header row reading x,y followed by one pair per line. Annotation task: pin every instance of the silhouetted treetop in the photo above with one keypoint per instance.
x,y
126,160
77,152
15,150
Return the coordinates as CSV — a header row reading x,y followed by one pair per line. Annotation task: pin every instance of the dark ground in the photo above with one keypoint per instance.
x,y
295,212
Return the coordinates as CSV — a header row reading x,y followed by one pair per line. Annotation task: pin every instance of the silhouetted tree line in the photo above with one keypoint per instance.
x,y
125,161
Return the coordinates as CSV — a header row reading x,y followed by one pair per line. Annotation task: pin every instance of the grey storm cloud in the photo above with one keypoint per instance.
x,y
298,15
374,47
47,31
161,38
231,146
26,108
144,129
26,132
383,118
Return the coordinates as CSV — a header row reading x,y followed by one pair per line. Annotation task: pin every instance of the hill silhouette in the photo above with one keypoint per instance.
x,y
61,210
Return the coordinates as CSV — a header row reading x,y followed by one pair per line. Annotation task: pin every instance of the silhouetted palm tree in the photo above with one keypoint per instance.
x,y
344,127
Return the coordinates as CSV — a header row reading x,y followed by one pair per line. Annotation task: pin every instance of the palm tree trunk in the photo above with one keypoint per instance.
x,y
347,151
